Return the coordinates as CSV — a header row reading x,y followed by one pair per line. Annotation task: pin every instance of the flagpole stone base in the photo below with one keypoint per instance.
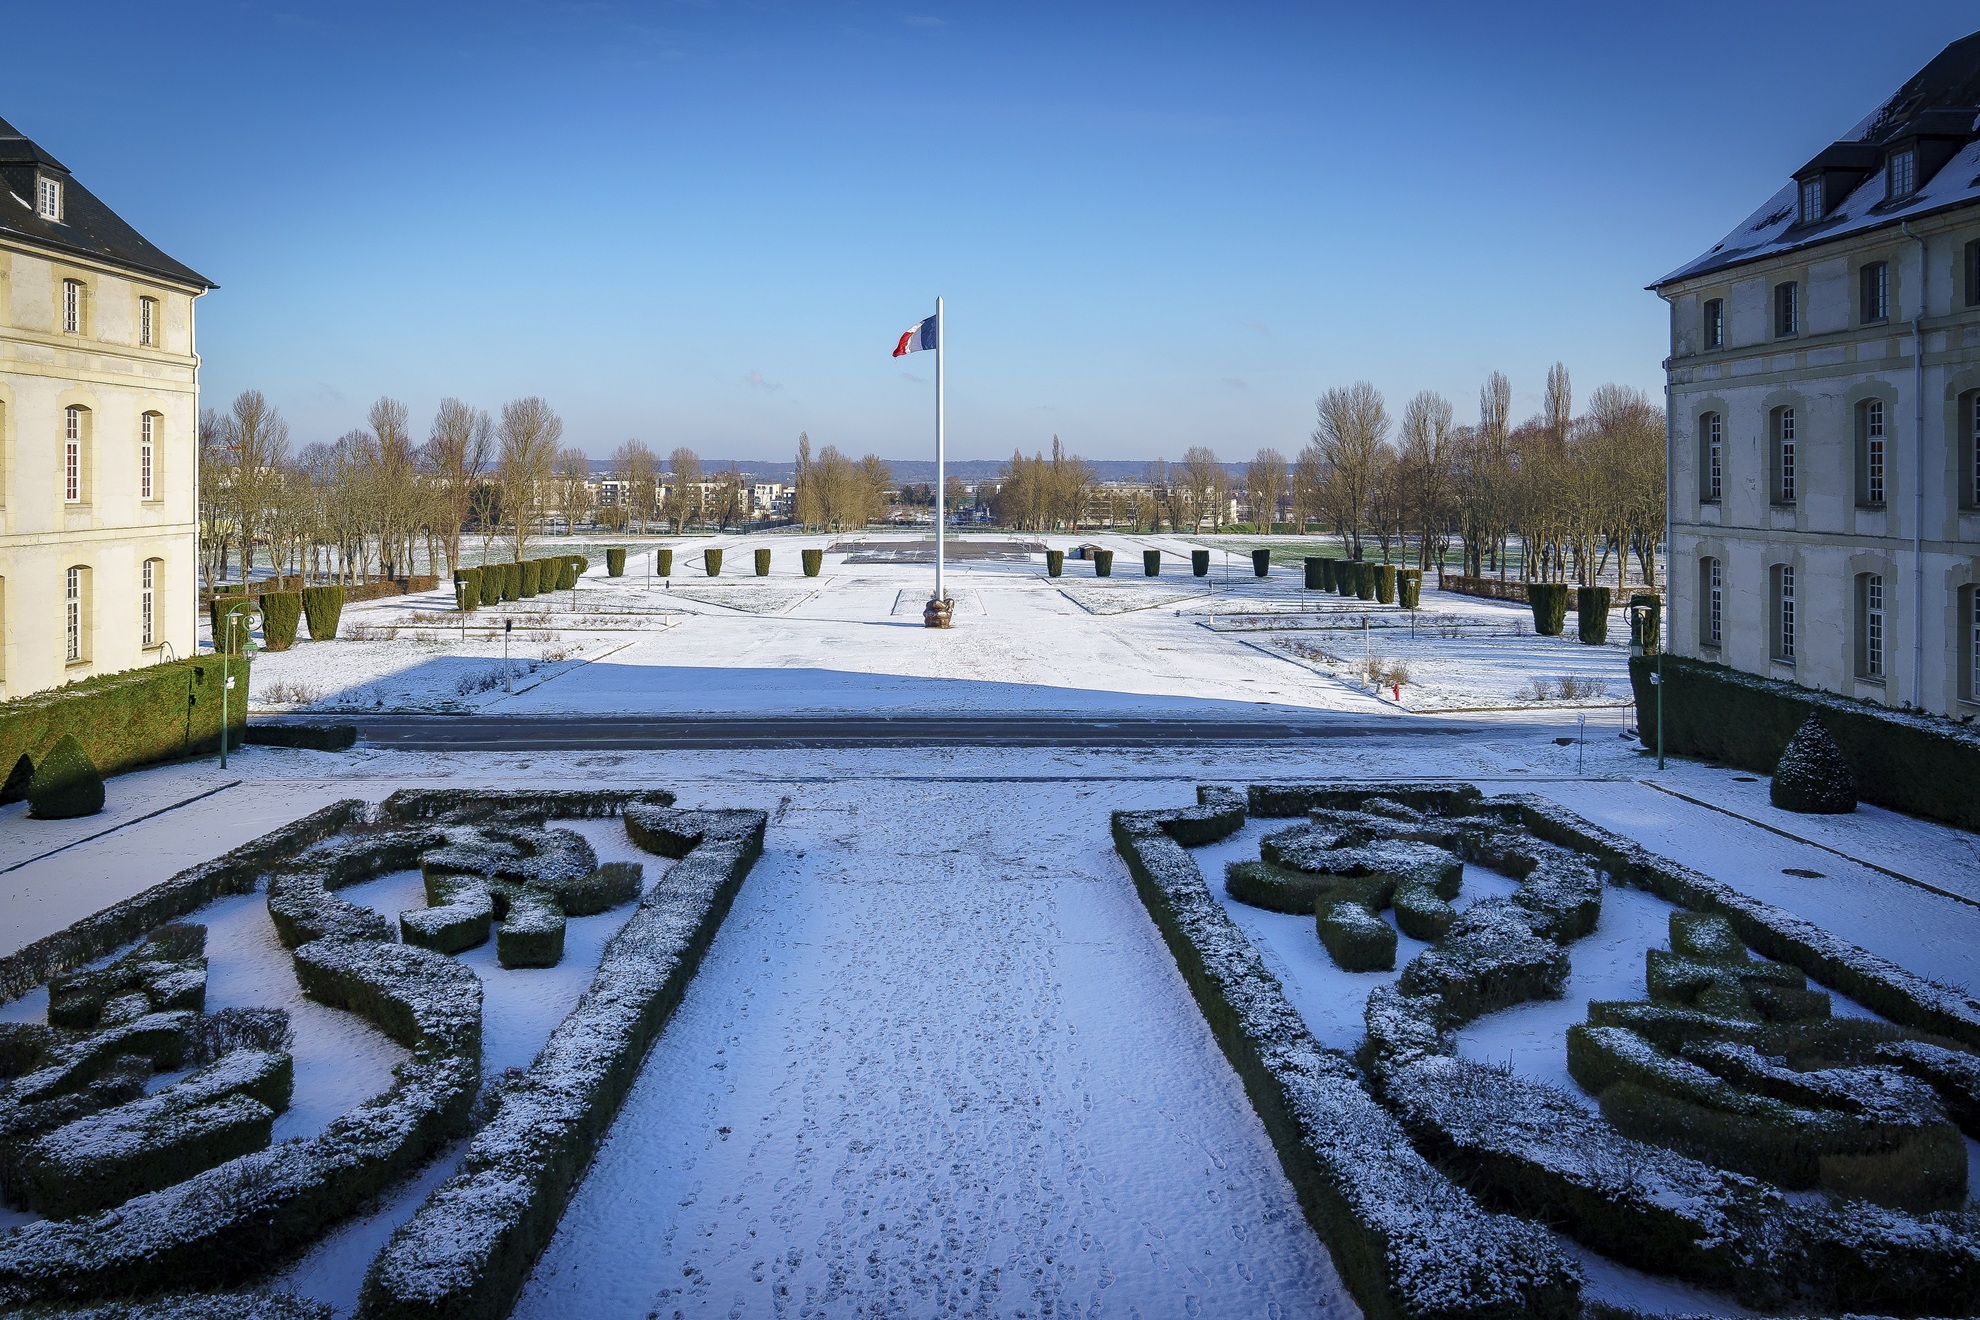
x,y
937,612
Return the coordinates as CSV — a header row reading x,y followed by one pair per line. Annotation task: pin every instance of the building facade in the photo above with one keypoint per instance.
x,y
1824,413
99,434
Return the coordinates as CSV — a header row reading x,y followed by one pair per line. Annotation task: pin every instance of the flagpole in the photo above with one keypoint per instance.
x,y
941,481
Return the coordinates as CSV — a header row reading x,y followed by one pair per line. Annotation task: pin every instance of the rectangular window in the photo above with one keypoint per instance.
x,y
145,597
1904,173
1873,626
1715,602
145,437
1784,473
148,322
72,307
1873,452
1811,201
1784,613
1715,323
1875,299
1787,310
48,200
1715,457
73,620
1973,644
1973,448
72,457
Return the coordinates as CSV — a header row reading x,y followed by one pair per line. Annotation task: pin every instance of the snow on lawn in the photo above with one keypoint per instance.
x,y
750,600
937,1061
1102,596
1468,671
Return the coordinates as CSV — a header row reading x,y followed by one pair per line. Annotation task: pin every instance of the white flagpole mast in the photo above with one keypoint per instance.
x,y
941,480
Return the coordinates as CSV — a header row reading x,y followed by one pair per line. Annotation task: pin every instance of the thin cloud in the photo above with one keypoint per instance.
x,y
1259,326
756,382
1235,383
924,20
909,375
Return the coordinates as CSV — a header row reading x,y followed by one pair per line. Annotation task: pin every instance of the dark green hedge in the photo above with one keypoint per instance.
x,y
567,573
1549,602
763,562
532,575
1385,584
815,560
65,784
1103,563
1199,562
324,607
663,562
1319,577
1918,764
1151,563
1646,626
1364,580
1261,563
1344,577
615,561
711,561
467,589
1409,587
1591,614
128,719
217,611
314,737
489,577
281,614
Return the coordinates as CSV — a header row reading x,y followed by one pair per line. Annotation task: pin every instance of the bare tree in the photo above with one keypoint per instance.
x,y
635,468
530,432
458,450
1353,439
1557,411
256,441
684,497
573,486
1264,487
1425,470
1202,475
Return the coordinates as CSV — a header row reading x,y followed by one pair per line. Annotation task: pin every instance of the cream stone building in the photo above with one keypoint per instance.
x,y
99,424
1824,395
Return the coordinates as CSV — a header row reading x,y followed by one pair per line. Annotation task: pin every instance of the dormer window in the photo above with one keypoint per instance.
x,y
1811,200
1904,173
48,200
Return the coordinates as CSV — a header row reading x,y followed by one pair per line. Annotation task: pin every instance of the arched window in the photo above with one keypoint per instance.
x,y
1870,454
147,455
1711,457
1782,450
1870,626
148,601
1711,602
1783,629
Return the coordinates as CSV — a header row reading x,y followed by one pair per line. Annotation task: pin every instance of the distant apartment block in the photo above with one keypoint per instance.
x,y
99,421
1824,382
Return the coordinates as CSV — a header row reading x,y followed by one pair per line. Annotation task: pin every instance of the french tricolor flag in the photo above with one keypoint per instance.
x,y
925,334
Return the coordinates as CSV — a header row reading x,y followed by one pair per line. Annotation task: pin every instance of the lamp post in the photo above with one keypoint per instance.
x,y
252,619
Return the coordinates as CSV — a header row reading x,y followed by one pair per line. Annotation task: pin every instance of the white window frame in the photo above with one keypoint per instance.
x,y
1873,451
1903,172
1715,457
1873,626
147,322
72,456
147,585
72,307
147,447
1784,621
1785,485
1715,602
48,198
72,601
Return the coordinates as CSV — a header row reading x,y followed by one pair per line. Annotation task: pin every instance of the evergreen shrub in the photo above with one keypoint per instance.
x,y
763,562
1409,588
314,737
532,575
1385,584
711,561
489,576
567,573
281,614
1591,614
1318,576
467,589
66,783
1812,777
1055,562
323,607
1103,563
663,561
1199,562
1646,625
1549,602
1151,563
814,560
615,561
126,719
1364,580
1344,577
1356,939
1261,562
217,611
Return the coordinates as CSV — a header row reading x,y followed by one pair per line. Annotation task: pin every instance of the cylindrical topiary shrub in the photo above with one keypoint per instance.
x,y
763,562
490,578
1364,580
663,562
567,573
65,784
1591,614
531,573
1199,562
467,589
814,560
1151,563
323,607
1812,777
1344,576
1385,584
583,564
1103,563
615,561
217,611
711,561
1055,563
1261,562
1646,622
281,612
1318,578
1409,588
1549,601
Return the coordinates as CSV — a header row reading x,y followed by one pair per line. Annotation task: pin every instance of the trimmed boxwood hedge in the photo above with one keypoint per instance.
x,y
1344,573
314,737
1646,626
615,561
814,560
1919,764
224,638
488,580
324,607
1591,614
65,784
711,561
1318,576
1549,601
1151,563
567,573
1385,584
1261,563
763,562
1199,562
131,718
281,614
663,561
1103,563
1364,580
531,578
1409,588
467,590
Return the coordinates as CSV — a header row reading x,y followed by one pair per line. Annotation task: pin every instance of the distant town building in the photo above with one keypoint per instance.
x,y
99,434
1825,412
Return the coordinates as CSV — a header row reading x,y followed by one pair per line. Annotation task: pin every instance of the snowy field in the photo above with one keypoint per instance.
x,y
850,641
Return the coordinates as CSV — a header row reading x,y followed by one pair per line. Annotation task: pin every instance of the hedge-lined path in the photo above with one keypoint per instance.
x,y
938,1062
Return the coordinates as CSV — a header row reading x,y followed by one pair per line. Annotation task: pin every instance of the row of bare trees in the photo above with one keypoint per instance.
x,y
834,493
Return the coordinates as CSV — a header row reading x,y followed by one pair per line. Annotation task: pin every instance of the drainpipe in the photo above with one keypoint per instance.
x,y
1918,476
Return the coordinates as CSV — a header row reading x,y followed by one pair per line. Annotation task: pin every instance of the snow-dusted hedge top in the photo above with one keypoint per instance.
x,y
1407,1240
469,1249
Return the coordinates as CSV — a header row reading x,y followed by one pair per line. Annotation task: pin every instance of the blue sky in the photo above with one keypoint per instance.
x,y
1156,225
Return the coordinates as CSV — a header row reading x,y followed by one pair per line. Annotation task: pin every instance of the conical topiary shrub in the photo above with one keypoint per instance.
x,y
615,561
65,784
1151,563
815,560
763,563
1055,562
711,560
1591,614
323,607
1812,776
16,786
1549,602
281,611
1261,562
663,562
1199,562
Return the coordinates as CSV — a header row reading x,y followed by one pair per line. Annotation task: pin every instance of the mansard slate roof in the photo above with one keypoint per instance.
x,y
1941,103
88,227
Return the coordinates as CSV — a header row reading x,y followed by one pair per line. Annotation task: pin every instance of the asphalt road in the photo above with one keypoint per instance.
x,y
439,733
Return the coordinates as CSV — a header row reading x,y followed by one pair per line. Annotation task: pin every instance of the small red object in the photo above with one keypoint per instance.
x,y
1397,689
